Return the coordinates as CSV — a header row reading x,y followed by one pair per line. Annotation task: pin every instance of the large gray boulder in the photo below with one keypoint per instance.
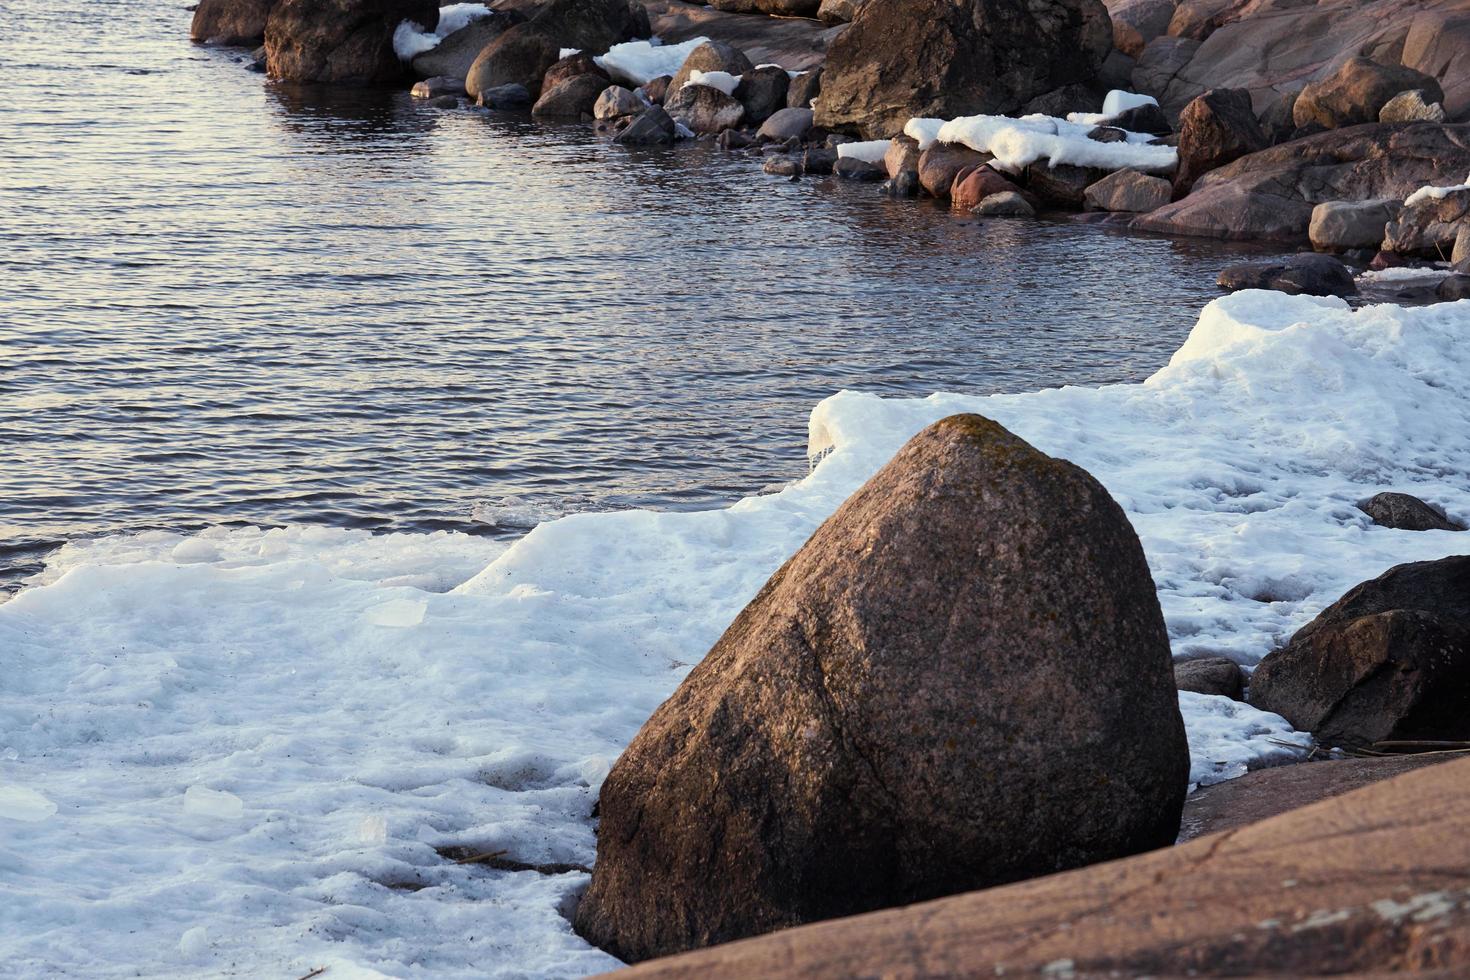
x,y
230,22
947,58
1338,226
1389,661
343,41
925,700
1137,22
1270,195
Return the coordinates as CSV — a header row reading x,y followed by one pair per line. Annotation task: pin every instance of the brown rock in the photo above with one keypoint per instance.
x,y
1215,129
794,43
571,98
776,8
1388,661
710,56
1371,882
456,53
1269,196
230,22
1006,204
657,89
904,711
941,161
704,109
1411,106
1438,44
1338,226
1357,92
1063,185
838,11
903,154
1137,22
1405,512
591,26
1160,64
1210,675
1127,190
763,92
802,89
973,185
945,58
1195,19
564,69
521,55
345,41
616,102
1303,274
1428,227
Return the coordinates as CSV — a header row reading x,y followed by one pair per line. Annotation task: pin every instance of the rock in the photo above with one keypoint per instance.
x,y
1007,204
737,139
763,93
782,165
1429,227
946,58
1460,255
1060,101
521,55
1389,661
572,66
1269,196
1306,273
1162,60
508,98
657,89
709,56
903,154
838,11
1277,122
1064,185
343,41
776,8
1137,22
591,26
1411,106
616,102
432,88
905,183
1142,119
801,90
1407,513
704,109
1195,19
651,127
1127,190
1452,288
1210,675
442,102
852,168
1265,793
786,124
1116,71
457,52
1107,134
818,160
1215,129
571,98
1438,43
923,700
941,161
1350,885
1338,226
1357,92
230,22
974,184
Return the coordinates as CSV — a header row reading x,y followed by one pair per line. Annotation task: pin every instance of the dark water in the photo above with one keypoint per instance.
x,y
223,301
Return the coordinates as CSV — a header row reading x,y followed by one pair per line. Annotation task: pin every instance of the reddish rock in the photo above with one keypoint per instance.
x,y
971,186
903,154
940,162
1215,129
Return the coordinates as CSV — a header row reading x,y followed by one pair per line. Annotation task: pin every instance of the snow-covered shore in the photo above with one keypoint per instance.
x,y
238,752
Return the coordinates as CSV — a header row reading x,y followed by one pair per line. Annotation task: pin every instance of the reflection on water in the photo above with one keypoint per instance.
x,y
233,301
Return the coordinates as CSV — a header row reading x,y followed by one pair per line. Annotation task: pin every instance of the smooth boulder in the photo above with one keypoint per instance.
x,y
1127,190
520,55
1389,661
571,98
1405,512
903,154
709,56
787,124
230,22
1215,129
1137,22
340,41
651,127
1220,676
940,162
763,92
1338,226
704,109
1306,274
973,185
592,26
946,58
1358,91
616,102
1006,204
454,55
922,701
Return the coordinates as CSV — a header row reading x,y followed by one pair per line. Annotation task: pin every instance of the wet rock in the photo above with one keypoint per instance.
x,y
1307,273
457,52
1127,190
851,168
924,700
1455,287
1064,185
1389,661
974,184
905,183
1137,22
1210,675
657,89
342,41
818,160
521,55
948,58
903,154
1428,227
1215,129
1338,226
1107,134
782,165
734,139
1142,119
571,98
442,102
1006,204
615,102
786,124
763,93
709,56
1407,513
573,66
230,22
1411,106
432,88
508,98
1357,92
801,90
651,127
704,109
939,163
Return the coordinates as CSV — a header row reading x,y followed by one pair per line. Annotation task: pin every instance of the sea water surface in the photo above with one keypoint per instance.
x,y
225,300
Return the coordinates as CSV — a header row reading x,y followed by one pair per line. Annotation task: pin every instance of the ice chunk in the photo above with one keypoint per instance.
x,y
192,550
26,805
872,151
1118,101
397,613
568,52
217,803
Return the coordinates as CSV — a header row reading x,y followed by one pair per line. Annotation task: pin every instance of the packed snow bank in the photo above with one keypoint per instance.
x,y
1435,193
268,744
411,40
1018,143
640,62
925,131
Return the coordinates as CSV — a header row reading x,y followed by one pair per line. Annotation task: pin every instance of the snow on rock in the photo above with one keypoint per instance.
x,y
640,62
722,80
1018,143
488,722
411,40
925,131
871,151
1435,193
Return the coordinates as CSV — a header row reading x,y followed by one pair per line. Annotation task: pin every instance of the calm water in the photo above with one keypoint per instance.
x,y
224,301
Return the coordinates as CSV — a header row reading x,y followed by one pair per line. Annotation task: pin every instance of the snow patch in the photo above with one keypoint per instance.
x,y
1018,143
411,40
640,62
722,80
1435,193
871,151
